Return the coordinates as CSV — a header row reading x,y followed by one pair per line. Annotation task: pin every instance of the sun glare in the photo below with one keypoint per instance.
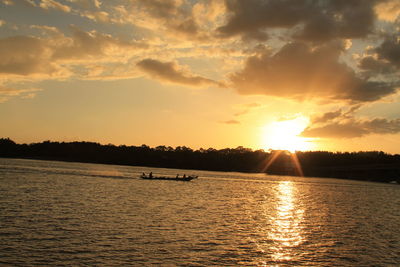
x,y
284,135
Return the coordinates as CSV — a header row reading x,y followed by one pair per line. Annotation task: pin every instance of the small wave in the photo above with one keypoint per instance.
x,y
49,171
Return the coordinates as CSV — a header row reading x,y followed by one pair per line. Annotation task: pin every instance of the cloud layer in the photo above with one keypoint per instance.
x,y
301,71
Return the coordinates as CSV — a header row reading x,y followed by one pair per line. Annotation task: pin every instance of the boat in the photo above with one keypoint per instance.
x,y
166,178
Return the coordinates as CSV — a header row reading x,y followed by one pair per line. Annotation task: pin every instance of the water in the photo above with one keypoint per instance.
x,y
58,213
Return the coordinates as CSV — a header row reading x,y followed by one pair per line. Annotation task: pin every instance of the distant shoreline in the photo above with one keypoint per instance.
x,y
371,166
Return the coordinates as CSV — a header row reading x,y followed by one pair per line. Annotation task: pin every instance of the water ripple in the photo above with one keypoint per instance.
x,y
55,213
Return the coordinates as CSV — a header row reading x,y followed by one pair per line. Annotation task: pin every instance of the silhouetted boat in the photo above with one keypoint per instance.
x,y
186,179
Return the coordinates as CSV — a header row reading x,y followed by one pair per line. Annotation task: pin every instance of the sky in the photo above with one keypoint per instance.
x,y
262,74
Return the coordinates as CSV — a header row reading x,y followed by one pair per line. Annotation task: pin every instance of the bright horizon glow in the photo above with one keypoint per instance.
x,y
284,135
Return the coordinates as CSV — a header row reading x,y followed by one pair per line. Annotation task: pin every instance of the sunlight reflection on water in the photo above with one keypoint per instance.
x,y
286,231
60,213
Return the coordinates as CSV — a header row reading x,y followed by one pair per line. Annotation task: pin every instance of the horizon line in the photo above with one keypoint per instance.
x,y
201,148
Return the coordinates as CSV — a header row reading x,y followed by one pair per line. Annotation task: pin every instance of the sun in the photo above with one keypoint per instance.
x,y
284,135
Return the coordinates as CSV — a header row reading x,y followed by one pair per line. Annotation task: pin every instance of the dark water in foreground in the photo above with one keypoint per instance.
x,y
57,213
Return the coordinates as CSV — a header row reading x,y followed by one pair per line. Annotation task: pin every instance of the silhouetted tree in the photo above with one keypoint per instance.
x,y
372,165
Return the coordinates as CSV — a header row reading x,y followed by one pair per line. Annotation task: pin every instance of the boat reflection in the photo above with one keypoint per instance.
x,y
286,231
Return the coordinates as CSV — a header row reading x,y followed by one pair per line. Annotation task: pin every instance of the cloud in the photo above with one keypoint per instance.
x,y
339,19
25,55
171,19
390,50
58,56
374,66
98,16
326,117
300,71
314,20
7,93
246,108
344,124
230,122
171,72
252,16
86,4
7,2
336,130
388,10
171,14
52,4
83,45
354,128
91,9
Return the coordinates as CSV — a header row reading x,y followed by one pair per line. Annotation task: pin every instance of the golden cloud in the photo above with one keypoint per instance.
x,y
6,93
57,55
52,4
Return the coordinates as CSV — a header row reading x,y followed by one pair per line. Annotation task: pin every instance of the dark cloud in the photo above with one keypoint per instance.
x,y
173,14
390,50
336,130
250,16
170,72
373,66
367,91
340,19
317,20
301,71
354,128
256,35
160,8
328,116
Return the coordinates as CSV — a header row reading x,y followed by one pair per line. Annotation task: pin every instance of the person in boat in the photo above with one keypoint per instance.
x,y
177,176
151,175
184,176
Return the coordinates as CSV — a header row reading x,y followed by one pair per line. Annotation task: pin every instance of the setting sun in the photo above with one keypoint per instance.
x,y
284,135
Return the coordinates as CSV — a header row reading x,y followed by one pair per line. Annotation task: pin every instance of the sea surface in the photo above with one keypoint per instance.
x,y
77,214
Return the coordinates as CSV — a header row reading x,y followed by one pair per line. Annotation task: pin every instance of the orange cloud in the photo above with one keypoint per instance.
x,y
6,93
388,10
52,4
24,55
57,55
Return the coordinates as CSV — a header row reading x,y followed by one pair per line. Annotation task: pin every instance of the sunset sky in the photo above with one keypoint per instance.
x,y
297,75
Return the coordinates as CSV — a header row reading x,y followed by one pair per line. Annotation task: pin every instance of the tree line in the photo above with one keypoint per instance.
x,y
372,165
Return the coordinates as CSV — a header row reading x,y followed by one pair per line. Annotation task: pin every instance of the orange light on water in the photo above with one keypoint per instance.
x,y
286,229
